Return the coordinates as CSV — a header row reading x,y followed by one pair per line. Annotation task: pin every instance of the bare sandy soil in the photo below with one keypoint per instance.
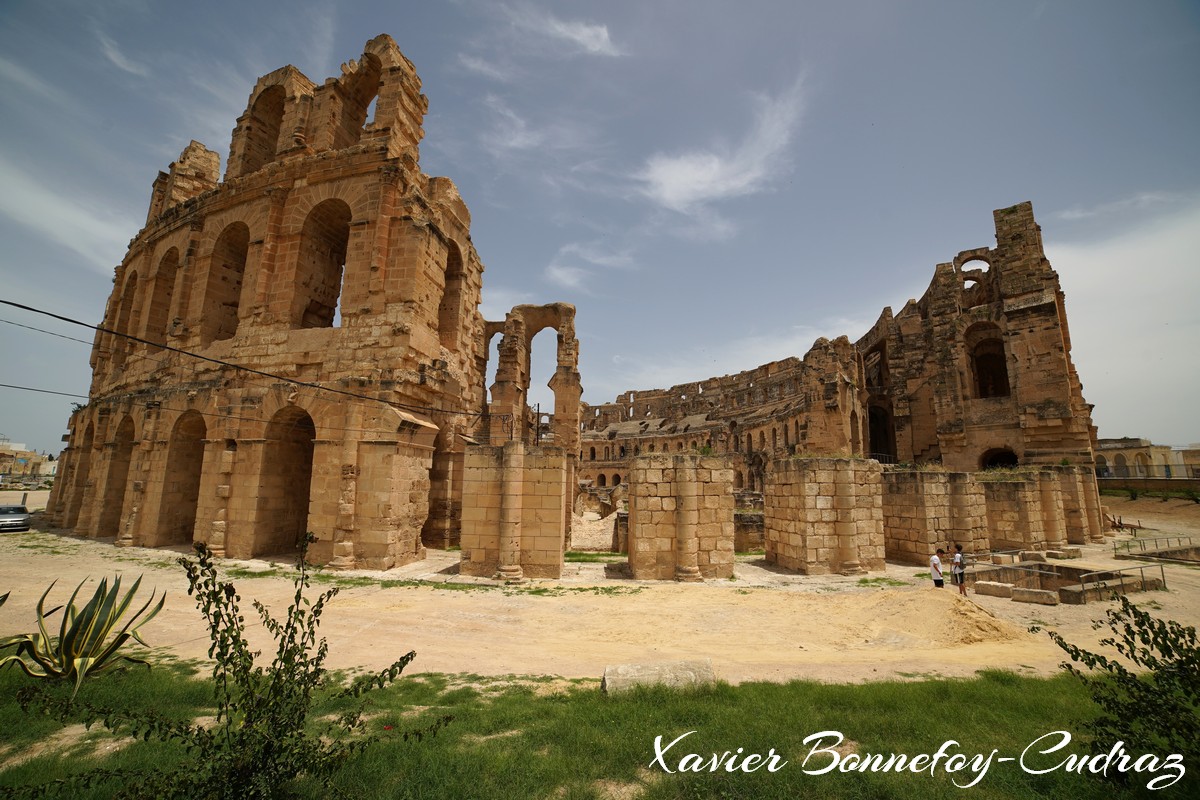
x,y
762,625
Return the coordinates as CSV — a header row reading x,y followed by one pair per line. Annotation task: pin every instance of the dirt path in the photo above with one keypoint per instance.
x,y
763,625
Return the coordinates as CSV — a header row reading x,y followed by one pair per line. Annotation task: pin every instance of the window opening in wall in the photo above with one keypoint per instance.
x,y
591,454
616,480
118,474
602,480
998,457
158,320
226,272
991,373
262,129
324,239
450,308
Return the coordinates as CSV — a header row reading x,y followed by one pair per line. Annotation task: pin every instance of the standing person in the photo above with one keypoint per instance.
x,y
935,568
958,572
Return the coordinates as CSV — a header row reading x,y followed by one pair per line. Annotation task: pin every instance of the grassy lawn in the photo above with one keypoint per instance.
x,y
552,738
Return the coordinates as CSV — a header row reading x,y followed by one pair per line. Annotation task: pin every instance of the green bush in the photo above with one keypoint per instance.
x,y
1157,711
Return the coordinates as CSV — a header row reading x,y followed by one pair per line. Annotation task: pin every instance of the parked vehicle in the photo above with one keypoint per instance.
x,y
14,518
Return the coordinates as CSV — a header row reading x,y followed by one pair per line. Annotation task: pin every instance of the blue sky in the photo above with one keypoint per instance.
x,y
713,184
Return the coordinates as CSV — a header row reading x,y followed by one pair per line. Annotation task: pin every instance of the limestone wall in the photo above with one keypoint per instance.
x,y
923,511
514,501
824,515
680,517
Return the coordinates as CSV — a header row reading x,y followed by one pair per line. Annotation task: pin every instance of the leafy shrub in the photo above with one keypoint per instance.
x,y
261,741
83,646
1155,712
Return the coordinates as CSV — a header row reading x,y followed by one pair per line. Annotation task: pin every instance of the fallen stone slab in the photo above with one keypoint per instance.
x,y
1044,597
1033,555
623,677
993,588
1065,552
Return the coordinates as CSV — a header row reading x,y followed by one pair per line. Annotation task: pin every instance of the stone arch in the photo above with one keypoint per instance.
x,y
262,129
738,481
158,315
359,88
998,457
616,479
1121,465
450,311
285,482
181,481
226,279
83,467
125,322
591,454
1102,469
989,369
321,264
109,523
1141,465
602,480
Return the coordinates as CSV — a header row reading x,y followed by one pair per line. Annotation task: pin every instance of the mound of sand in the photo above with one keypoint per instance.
x,y
921,617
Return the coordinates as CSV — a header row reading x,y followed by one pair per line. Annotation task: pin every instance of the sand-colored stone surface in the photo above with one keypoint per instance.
x,y
764,624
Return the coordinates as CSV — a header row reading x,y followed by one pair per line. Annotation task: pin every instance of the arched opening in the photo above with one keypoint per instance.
x,y
126,321
591,453
83,467
450,309
1122,465
607,454
360,92
881,433
118,476
1102,470
997,458
158,319
774,438
262,129
602,480
1141,465
283,494
738,481
181,483
322,261
652,447
223,294
541,361
616,479
988,367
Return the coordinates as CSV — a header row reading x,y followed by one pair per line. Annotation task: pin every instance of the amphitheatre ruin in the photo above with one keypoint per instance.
x,y
297,346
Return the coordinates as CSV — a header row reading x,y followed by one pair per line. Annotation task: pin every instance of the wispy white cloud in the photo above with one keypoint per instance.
x,y
483,67
1138,202
499,300
14,73
577,262
119,59
688,181
509,130
64,219
589,37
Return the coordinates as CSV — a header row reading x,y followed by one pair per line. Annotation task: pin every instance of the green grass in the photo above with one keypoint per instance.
x,y
592,557
883,581
543,737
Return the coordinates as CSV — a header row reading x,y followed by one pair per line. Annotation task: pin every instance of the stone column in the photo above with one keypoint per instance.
x,y
512,470
845,490
1091,502
1052,511
687,519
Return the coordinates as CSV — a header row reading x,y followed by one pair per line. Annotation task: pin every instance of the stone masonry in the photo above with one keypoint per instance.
x,y
326,259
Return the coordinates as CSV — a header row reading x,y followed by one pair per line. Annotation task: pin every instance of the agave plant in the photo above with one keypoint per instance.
x,y
83,646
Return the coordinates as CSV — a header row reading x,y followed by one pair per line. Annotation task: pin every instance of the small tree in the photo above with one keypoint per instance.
x,y
1157,711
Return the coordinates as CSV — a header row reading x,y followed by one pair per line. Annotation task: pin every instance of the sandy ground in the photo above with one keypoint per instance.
x,y
762,625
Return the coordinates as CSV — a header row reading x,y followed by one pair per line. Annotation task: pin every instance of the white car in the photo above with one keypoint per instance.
x,y
14,518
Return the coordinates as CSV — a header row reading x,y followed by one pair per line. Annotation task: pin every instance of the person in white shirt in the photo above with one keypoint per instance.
x,y
958,572
935,568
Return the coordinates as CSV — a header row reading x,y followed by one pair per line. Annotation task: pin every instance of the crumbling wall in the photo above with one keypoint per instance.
x,y
824,515
680,518
513,509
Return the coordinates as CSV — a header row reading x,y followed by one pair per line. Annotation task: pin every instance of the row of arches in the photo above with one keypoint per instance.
x,y
282,495
307,292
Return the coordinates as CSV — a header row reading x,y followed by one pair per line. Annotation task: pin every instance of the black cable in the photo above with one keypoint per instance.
x,y
43,391
317,386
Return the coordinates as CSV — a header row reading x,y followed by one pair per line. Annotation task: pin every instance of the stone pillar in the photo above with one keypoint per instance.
x,y
687,518
1091,502
1052,510
511,491
844,503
